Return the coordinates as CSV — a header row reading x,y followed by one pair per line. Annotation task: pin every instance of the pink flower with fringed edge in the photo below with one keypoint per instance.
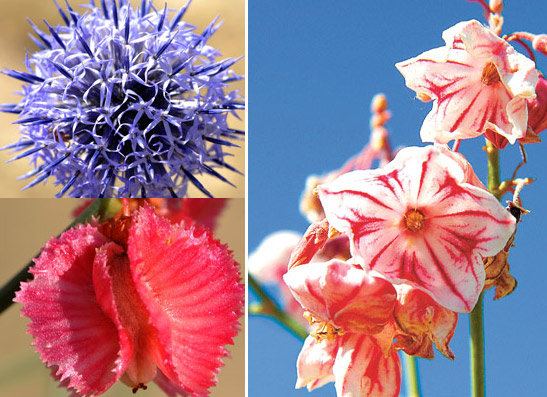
x,y
479,83
140,301
421,220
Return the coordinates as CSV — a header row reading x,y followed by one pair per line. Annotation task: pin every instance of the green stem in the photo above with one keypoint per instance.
x,y
411,376
103,208
477,349
493,158
268,307
476,321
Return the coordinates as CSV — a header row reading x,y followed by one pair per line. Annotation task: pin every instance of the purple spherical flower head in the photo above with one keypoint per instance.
x,y
125,103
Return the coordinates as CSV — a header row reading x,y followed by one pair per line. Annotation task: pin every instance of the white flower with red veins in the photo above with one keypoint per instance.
x,y
351,343
479,83
421,220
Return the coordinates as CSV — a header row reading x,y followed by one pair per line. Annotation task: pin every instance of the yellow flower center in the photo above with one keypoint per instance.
x,y
490,74
414,220
324,330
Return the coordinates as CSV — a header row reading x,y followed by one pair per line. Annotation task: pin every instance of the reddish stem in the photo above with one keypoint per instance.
x,y
519,39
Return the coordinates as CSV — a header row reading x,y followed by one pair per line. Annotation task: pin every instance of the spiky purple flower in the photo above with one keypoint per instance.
x,y
125,103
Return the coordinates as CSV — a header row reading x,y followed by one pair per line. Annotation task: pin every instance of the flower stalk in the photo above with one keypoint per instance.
x,y
476,326
476,321
268,307
102,208
412,379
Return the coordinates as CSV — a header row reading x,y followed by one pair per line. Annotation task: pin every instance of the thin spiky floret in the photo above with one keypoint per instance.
x,y
125,103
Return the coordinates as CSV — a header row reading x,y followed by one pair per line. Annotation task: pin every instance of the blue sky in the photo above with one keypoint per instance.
x,y
313,69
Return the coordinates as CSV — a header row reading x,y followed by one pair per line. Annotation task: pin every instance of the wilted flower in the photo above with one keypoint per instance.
x,y
421,220
135,299
479,83
126,103
423,323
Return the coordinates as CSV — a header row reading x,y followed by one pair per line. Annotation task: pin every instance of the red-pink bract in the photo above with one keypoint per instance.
x,y
161,309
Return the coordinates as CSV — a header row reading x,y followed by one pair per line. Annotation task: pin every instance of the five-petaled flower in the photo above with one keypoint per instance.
x,y
135,299
479,83
421,220
125,103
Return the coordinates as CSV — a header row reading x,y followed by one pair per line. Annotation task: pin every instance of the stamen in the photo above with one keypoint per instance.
x,y
324,330
139,386
490,74
414,220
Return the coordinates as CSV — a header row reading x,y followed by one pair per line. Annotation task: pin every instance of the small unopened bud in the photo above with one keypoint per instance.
x,y
540,43
496,6
379,103
423,97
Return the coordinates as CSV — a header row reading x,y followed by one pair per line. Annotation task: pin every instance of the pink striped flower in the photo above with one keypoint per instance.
x,y
355,318
479,83
421,220
136,300
350,311
268,263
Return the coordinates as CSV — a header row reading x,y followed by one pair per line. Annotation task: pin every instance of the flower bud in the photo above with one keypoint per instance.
x,y
496,6
379,103
423,97
540,43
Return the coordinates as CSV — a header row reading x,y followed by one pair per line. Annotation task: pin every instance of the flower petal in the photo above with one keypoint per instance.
x,y
268,263
120,302
69,328
189,283
343,294
203,211
168,386
537,107
315,361
361,369
419,315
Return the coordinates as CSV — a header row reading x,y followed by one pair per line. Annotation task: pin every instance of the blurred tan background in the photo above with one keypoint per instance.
x,y
24,228
15,43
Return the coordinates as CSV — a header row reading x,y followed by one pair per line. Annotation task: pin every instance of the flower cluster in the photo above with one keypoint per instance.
x,y
137,299
425,236
355,317
125,103
418,230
